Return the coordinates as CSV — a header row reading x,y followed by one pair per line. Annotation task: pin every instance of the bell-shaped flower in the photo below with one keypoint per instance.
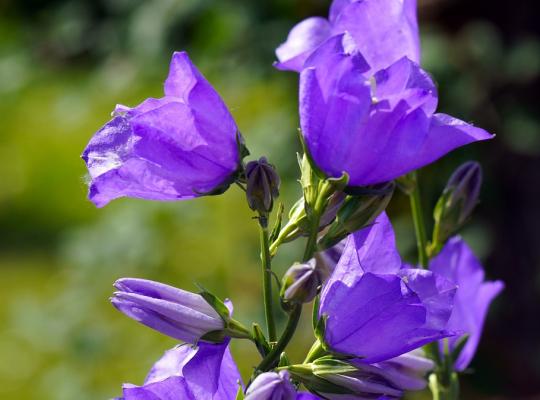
x,y
174,312
206,372
384,30
374,309
271,386
457,263
183,145
375,127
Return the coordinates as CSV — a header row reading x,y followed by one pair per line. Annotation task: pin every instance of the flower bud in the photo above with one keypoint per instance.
x,y
457,201
356,212
301,283
175,312
334,378
271,386
262,185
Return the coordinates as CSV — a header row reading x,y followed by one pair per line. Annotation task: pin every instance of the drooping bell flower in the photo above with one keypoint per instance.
x,y
384,30
271,386
457,263
206,372
174,312
375,127
183,145
374,309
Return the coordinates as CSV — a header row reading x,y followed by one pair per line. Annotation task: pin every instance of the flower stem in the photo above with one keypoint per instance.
x,y
272,358
418,218
267,278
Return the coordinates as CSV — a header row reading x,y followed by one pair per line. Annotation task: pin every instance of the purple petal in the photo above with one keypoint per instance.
x,y
384,30
302,40
271,386
371,249
457,263
172,388
192,373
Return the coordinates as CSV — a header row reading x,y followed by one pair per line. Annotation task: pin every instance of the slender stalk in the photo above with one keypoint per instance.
x,y
418,218
444,383
267,279
272,358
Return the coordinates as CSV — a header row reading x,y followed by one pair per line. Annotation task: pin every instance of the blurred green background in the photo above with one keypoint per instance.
x,y
64,64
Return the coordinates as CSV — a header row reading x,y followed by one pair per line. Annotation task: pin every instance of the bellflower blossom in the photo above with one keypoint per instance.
x,y
375,127
384,32
457,263
177,147
174,312
271,386
206,372
395,309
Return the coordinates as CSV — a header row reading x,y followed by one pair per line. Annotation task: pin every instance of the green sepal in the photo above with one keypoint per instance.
x,y
309,159
320,329
240,393
260,340
241,143
277,225
216,303
315,312
283,360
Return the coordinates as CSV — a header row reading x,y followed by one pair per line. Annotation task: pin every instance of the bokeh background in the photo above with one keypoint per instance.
x,y
64,64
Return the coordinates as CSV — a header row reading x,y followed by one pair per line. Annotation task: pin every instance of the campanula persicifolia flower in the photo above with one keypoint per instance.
x,y
384,31
375,127
375,309
271,386
180,146
457,262
205,372
174,312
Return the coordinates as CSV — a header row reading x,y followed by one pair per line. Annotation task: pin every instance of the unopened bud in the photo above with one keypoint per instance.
x,y
356,212
262,185
457,201
301,283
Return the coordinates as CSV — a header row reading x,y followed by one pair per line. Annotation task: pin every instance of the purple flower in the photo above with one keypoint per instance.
x,y
207,372
457,263
384,31
177,147
375,309
386,120
271,386
174,312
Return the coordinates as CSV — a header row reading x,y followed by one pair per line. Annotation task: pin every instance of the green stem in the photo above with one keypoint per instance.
x,y
267,279
272,358
418,218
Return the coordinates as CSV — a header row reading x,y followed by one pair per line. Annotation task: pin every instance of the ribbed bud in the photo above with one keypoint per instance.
x,y
177,313
262,185
271,386
334,378
301,283
457,201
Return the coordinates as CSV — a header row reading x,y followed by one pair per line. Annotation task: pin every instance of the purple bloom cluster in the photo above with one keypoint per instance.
x,y
368,116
